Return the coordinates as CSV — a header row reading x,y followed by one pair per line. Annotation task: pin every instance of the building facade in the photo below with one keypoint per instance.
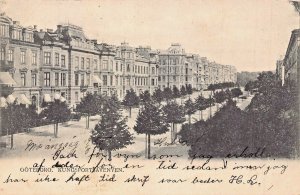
x,y
291,62
65,64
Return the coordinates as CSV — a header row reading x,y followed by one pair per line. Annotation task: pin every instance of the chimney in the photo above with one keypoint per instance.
x,y
16,22
41,30
59,29
35,27
94,41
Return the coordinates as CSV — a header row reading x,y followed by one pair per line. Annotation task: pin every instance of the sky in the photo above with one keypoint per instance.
x,y
249,34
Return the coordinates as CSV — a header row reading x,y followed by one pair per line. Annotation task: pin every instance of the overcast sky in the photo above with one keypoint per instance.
x,y
249,34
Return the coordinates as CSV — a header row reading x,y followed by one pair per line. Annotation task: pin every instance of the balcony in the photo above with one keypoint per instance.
x,y
83,88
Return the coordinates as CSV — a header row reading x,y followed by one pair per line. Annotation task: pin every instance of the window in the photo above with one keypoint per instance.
x,y
88,78
117,68
34,101
105,80
2,53
56,59
34,58
47,79
111,65
23,79
128,68
76,61
88,63
10,55
111,80
76,96
76,79
47,58
82,63
152,82
3,30
33,80
63,60
174,78
117,80
153,70
95,65
105,64
63,79
82,80
56,78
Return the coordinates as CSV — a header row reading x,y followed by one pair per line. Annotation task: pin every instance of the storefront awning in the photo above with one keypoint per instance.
x,y
6,79
22,99
47,98
10,99
56,96
3,102
96,79
62,99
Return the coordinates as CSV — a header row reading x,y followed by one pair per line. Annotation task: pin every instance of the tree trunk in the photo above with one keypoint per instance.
x,y
190,116
201,115
172,133
210,111
109,155
129,112
54,129
11,140
56,133
88,121
148,146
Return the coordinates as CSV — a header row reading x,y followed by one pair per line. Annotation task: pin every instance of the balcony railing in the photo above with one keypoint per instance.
x,y
83,88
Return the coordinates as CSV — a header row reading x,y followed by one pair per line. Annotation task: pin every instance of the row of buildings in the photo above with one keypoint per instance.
x,y
40,65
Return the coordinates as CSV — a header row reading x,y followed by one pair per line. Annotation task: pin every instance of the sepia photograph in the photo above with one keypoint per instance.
x,y
149,97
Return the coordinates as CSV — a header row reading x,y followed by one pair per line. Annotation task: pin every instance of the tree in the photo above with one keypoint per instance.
x,y
267,81
223,134
236,92
176,92
15,118
151,121
201,104
89,106
175,115
56,112
189,89
220,97
145,96
183,90
131,100
167,93
111,133
190,108
157,95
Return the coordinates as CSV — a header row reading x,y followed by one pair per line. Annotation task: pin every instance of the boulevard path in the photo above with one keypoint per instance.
x,y
73,131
